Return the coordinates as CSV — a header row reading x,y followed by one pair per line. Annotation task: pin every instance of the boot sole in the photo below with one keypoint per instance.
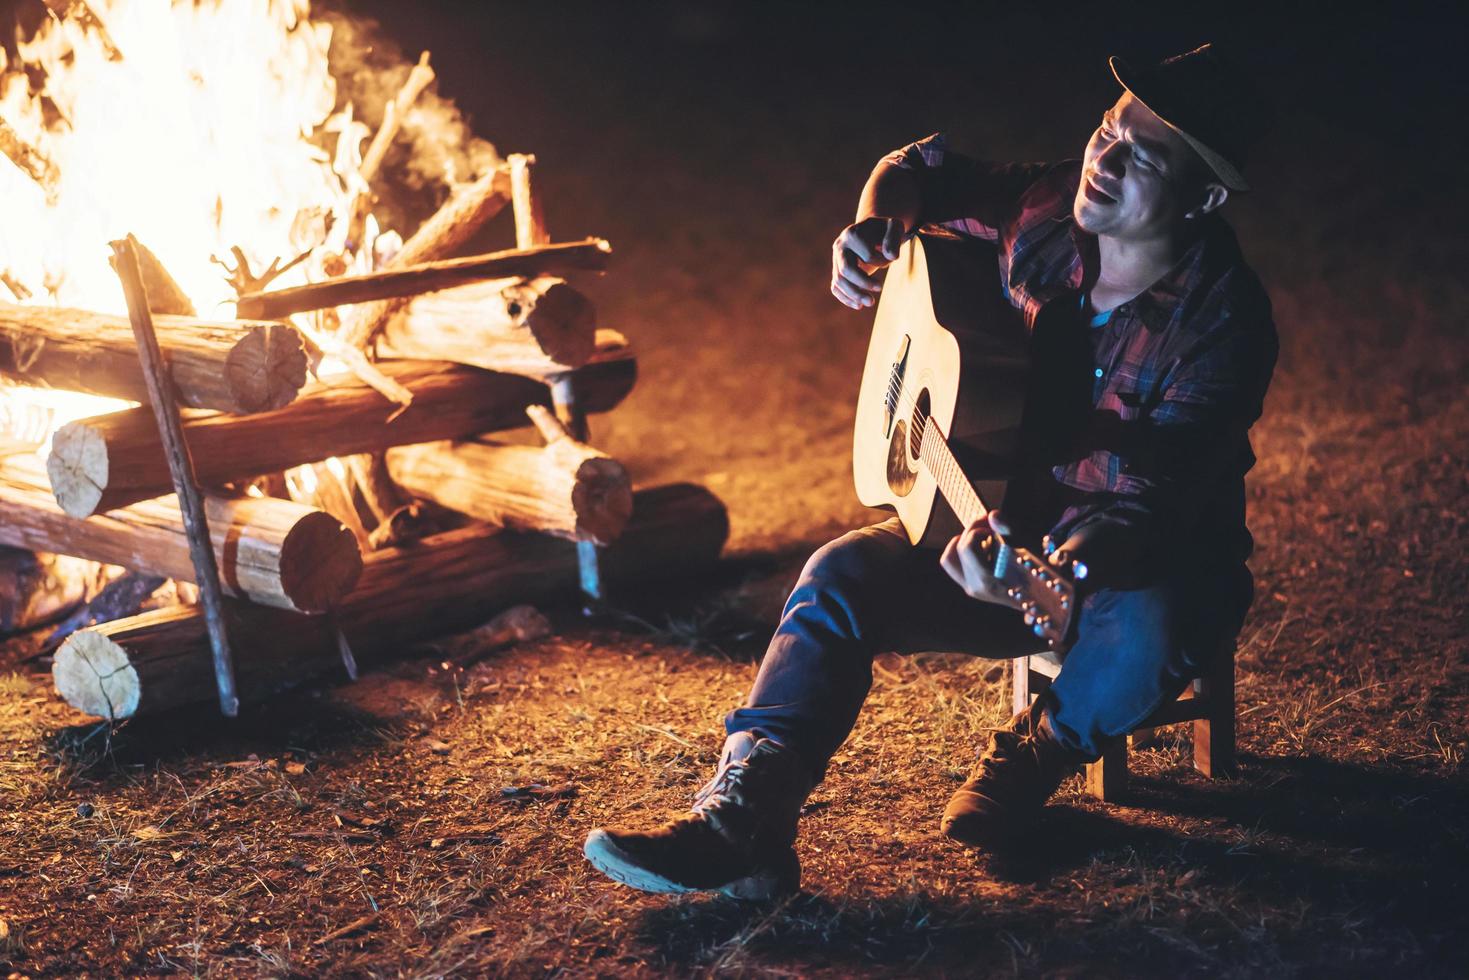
x,y
618,865
604,854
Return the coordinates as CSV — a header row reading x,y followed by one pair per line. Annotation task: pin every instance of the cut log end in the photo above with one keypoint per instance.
x,y
78,469
601,496
563,322
320,562
266,368
95,676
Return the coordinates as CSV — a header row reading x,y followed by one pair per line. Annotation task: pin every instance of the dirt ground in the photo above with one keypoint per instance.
x,y
425,822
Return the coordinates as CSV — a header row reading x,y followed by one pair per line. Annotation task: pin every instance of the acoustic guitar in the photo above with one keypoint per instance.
x,y
939,415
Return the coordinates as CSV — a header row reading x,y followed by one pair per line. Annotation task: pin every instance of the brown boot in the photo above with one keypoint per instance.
x,y
737,839
1018,772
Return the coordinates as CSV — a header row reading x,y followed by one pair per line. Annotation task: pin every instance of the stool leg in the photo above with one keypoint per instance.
x,y
1214,733
1106,779
1019,684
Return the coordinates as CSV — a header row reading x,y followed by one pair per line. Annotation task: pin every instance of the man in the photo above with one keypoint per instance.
x,y
1157,342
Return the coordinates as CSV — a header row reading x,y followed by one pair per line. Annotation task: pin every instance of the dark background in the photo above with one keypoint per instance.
x,y
721,147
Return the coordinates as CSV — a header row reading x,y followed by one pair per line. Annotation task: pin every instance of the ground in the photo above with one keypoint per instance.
x,y
424,822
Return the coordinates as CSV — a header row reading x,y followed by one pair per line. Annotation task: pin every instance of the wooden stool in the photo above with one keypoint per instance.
x,y
1208,702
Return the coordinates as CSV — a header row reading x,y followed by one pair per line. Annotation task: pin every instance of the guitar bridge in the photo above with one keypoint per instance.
x,y
895,387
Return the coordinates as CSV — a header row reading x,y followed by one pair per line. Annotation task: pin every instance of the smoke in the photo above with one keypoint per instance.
x,y
435,149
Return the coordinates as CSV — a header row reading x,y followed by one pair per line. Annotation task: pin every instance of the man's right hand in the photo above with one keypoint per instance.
x,y
966,562
859,252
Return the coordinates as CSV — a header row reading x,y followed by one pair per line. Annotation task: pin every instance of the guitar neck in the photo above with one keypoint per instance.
x,y
935,454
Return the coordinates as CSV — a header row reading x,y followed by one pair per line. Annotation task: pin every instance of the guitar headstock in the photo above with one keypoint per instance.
x,y
1045,593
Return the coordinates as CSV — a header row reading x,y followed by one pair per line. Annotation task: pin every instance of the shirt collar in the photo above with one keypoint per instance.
x,y
1157,305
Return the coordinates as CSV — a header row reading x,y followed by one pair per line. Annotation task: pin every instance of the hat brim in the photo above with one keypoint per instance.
x,y
1228,174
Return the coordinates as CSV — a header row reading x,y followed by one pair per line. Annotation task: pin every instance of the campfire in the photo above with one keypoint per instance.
x,y
390,438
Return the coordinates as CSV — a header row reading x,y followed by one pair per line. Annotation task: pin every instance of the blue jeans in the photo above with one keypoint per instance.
x,y
870,590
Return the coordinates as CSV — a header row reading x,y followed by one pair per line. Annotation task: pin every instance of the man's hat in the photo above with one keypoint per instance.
x,y
1214,108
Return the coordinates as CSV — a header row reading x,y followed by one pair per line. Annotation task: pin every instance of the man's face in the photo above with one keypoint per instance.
x,y
1137,177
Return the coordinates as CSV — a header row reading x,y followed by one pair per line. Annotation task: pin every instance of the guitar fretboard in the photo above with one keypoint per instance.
x,y
934,452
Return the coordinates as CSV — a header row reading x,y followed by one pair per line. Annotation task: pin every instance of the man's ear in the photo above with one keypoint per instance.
x,y
1214,197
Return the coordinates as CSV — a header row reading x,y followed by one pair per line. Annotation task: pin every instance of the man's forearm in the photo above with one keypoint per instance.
x,y
891,192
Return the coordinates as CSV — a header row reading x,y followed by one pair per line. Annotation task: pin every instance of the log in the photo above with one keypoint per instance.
x,y
230,367
530,218
333,495
163,399
24,426
269,551
81,14
565,488
369,476
418,79
411,280
127,595
536,327
31,161
39,587
112,460
450,227
165,295
436,586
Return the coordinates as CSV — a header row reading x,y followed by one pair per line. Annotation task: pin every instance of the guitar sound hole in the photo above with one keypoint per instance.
x,y
900,475
918,424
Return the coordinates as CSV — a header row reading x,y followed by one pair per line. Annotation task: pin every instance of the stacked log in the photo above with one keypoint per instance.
x,y
535,327
320,498
274,552
159,660
230,367
566,488
109,461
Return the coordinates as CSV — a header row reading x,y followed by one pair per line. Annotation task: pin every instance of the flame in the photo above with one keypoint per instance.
x,y
211,129
196,138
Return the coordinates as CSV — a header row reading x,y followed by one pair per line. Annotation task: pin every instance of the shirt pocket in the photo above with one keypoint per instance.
x,y
1129,392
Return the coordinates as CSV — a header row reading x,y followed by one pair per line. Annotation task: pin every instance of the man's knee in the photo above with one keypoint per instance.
x,y
857,557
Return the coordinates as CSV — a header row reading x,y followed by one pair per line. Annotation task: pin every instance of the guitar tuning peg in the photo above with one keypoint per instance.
x,y
1079,570
1048,545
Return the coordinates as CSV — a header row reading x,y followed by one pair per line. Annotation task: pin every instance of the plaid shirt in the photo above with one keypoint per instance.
x,y
1159,446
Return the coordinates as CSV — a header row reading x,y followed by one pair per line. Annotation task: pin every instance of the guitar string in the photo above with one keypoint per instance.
x,y
897,397
947,462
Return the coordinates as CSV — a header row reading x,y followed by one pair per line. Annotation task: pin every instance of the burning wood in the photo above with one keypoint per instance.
x,y
419,78
81,13
231,367
246,280
530,220
536,328
165,295
426,277
158,660
269,551
468,346
566,488
39,587
24,428
107,461
330,492
35,164
450,227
